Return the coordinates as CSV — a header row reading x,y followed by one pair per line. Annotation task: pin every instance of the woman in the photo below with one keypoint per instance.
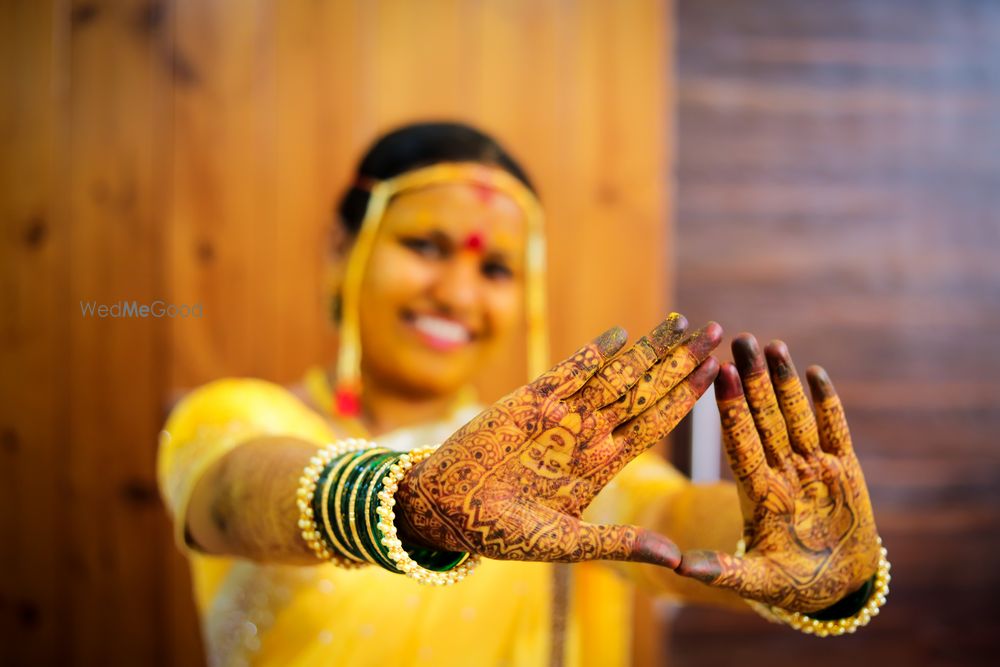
x,y
444,252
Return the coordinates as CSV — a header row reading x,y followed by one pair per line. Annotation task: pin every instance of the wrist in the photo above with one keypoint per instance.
x,y
833,621
407,507
847,606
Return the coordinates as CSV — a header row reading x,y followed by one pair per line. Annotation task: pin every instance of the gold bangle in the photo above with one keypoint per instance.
x,y
390,539
812,626
304,499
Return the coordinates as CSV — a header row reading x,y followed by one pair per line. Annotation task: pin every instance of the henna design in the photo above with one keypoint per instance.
x,y
513,483
809,528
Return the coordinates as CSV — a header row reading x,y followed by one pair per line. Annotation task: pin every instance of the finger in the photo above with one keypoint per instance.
x,y
834,436
646,429
746,576
564,538
613,379
761,399
799,420
665,375
739,436
566,377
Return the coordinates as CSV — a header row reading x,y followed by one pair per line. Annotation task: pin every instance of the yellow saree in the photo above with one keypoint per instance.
x,y
507,613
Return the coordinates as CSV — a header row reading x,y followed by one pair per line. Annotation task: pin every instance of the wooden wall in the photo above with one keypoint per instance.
x,y
191,151
839,186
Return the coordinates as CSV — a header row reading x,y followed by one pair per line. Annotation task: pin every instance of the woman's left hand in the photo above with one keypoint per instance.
x,y
808,526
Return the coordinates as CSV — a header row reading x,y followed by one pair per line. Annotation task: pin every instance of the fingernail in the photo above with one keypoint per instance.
x,y
727,383
706,339
747,354
820,382
668,333
611,341
778,360
656,550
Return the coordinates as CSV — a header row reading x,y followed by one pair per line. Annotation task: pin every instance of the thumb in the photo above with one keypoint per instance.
x,y
746,576
628,543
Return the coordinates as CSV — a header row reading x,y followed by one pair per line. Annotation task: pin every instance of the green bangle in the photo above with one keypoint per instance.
x,y
354,499
319,504
313,487
372,540
341,510
330,522
447,567
426,557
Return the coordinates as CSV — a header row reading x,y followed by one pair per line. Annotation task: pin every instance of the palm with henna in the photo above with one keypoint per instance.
x,y
513,483
808,526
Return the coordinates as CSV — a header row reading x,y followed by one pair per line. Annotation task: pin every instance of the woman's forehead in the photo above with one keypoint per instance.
x,y
457,209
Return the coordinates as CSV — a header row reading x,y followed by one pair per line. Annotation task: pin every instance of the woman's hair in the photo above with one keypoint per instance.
x,y
421,145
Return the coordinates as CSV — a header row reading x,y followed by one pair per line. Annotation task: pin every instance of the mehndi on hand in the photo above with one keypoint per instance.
x,y
808,525
513,483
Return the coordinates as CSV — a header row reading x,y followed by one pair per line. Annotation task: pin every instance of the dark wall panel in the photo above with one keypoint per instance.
x,y
839,187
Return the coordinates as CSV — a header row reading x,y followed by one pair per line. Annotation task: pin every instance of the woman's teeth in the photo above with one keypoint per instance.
x,y
444,330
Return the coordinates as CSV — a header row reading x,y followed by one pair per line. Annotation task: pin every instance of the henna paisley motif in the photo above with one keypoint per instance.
x,y
809,528
513,483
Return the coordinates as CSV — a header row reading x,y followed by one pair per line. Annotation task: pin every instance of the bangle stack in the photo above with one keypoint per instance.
x,y
345,501
831,628
426,566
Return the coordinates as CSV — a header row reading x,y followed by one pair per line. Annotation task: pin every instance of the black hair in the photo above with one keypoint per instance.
x,y
421,145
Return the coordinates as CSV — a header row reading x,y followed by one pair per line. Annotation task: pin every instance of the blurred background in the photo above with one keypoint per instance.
x,y
824,172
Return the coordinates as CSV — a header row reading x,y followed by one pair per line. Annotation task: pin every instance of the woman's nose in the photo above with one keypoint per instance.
x,y
457,288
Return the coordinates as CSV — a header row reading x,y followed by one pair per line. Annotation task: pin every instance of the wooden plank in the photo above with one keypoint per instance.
x,y
114,189
838,186
33,343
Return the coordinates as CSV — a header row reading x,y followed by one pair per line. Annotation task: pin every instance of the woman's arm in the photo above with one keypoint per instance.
x,y
229,462
511,484
244,504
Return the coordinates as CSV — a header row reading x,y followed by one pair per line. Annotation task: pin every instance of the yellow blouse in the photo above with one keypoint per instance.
x,y
264,615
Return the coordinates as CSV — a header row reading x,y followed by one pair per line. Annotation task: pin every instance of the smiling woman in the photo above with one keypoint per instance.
x,y
443,289
443,253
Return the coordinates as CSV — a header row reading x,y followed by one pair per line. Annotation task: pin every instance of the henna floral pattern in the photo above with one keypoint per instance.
x,y
513,483
808,522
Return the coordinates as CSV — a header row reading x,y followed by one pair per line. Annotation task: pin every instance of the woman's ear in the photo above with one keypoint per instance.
x,y
339,241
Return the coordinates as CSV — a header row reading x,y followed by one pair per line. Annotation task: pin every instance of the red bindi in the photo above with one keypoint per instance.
x,y
475,242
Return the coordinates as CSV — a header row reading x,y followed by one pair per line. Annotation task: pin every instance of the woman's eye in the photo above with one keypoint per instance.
x,y
497,271
422,246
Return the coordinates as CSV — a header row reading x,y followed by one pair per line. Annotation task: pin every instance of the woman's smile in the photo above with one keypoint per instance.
x,y
438,333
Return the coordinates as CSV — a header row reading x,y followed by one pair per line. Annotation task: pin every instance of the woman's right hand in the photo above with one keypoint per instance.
x,y
513,483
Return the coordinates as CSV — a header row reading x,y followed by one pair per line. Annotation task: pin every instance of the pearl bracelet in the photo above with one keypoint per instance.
x,y
319,543
812,626
386,526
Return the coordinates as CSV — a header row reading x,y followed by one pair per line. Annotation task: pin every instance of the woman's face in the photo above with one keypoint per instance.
x,y
443,289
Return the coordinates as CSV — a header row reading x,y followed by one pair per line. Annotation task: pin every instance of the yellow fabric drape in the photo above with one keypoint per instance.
x,y
262,614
